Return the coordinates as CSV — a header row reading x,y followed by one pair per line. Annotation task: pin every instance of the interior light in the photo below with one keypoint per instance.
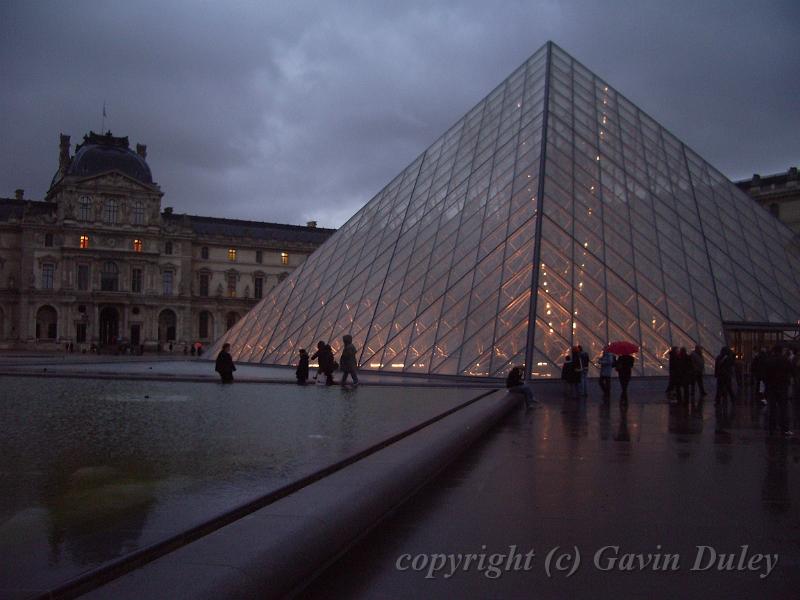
x,y
398,365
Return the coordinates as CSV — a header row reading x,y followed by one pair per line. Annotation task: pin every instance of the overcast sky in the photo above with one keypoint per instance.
x,y
295,111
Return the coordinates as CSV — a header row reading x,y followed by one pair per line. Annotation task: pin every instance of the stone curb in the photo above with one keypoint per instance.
x,y
280,548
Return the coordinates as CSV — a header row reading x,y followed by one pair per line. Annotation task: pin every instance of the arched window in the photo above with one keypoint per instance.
x,y
85,209
167,325
137,213
111,210
109,277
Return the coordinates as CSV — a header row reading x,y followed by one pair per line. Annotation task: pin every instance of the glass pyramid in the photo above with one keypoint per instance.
x,y
553,213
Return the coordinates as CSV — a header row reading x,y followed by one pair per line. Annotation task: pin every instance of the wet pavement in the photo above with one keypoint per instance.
x,y
583,499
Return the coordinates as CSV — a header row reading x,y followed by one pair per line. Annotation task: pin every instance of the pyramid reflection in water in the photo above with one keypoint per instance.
x,y
632,235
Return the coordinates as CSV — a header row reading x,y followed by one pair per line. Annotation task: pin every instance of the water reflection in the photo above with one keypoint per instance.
x,y
93,469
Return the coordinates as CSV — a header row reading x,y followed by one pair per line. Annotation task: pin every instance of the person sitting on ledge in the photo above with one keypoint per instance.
x,y
515,385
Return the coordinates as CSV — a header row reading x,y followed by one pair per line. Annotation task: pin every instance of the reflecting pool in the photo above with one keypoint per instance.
x,y
93,469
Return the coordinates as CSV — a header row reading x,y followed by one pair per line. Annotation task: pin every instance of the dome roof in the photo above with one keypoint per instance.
x,y
103,153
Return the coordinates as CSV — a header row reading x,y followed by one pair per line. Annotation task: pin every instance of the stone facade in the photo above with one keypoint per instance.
x,y
98,262
779,193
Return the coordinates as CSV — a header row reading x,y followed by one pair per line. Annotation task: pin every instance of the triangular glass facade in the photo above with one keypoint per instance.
x,y
553,183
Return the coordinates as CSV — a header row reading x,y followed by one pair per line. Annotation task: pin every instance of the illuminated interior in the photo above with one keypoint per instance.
x,y
635,237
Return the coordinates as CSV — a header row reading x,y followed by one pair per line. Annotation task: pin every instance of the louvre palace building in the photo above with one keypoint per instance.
x,y
99,263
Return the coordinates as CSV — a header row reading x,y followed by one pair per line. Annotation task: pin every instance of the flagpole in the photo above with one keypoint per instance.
x,y
103,122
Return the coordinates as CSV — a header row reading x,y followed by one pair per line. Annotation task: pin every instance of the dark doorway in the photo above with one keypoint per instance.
x,y
167,322
80,333
136,331
747,339
109,326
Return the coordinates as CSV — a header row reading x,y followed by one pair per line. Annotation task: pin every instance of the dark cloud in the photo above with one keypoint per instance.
x,y
297,111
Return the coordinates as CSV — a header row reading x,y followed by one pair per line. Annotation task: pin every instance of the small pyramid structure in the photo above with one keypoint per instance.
x,y
554,213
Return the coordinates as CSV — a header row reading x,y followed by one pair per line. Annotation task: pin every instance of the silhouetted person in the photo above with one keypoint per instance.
x,y
347,361
583,361
673,365
576,373
776,371
324,356
302,368
723,371
624,366
516,385
698,370
757,372
684,374
224,365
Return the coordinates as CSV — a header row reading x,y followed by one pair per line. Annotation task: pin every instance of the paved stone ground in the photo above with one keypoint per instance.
x,y
656,478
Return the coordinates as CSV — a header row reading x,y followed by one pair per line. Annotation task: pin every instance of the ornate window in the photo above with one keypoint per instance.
x,y
111,211
232,254
136,281
284,258
167,279
85,209
204,284
109,277
84,241
83,277
137,245
137,212
48,270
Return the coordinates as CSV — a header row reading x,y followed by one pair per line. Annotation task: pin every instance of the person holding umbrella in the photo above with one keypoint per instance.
x,y
623,364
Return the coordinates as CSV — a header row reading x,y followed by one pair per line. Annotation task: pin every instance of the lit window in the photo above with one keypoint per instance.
x,y
284,258
232,285
204,252
85,208
137,245
167,281
110,215
231,254
84,242
48,269
138,213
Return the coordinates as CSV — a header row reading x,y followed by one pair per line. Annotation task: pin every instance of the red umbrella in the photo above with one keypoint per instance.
x,y
621,347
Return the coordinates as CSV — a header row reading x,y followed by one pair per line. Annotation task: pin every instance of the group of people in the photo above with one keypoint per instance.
x,y
575,372
348,362
686,370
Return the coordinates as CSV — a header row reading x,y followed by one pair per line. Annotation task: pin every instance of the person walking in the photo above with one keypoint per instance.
x,y
576,372
684,374
324,356
624,366
302,367
583,358
606,364
673,365
348,362
698,370
224,365
516,385
776,371
723,371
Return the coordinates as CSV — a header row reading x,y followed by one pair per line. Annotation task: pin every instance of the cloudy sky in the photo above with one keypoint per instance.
x,y
296,111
